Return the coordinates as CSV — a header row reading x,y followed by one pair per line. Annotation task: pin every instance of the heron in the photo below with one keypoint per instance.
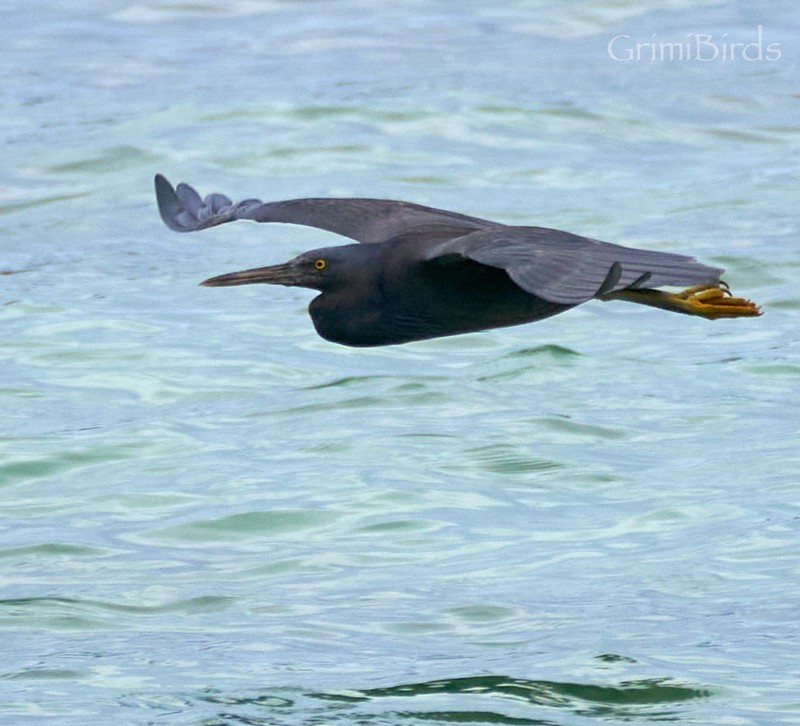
x,y
417,272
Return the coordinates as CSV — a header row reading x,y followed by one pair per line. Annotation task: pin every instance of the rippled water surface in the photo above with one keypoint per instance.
x,y
209,515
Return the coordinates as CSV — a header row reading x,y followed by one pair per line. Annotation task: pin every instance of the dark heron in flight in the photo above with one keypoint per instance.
x,y
422,273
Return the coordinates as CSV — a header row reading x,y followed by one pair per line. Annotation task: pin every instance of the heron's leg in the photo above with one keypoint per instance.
x,y
707,301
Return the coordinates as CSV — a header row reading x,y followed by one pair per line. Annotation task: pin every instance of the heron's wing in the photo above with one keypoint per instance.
x,y
564,268
364,220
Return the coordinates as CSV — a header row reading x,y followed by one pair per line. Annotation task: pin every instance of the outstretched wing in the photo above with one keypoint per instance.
x,y
364,220
565,268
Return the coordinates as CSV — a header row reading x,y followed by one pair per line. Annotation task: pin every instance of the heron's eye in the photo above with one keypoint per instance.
x,y
319,264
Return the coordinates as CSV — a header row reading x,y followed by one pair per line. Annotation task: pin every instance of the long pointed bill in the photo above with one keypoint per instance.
x,y
285,274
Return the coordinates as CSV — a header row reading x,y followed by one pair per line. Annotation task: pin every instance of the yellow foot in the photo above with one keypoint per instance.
x,y
707,301
714,301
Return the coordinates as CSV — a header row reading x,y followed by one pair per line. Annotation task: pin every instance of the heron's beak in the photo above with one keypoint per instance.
x,y
285,274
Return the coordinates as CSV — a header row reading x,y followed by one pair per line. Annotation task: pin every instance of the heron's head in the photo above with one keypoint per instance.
x,y
323,269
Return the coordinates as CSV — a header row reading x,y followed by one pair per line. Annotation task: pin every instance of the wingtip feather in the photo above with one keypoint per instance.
x,y
169,206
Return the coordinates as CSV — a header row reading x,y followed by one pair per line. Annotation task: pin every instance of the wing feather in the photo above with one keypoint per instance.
x,y
565,268
364,220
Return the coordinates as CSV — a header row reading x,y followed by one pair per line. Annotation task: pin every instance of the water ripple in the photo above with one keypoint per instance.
x,y
79,614
652,699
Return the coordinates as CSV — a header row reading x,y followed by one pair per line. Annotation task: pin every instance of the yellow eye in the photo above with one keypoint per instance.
x,y
320,264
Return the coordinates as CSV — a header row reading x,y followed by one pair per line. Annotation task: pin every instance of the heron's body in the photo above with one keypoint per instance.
x,y
382,309
420,272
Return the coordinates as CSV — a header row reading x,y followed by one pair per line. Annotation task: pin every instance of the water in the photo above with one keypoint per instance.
x,y
212,516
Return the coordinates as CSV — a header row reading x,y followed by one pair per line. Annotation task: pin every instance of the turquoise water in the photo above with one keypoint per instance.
x,y
209,515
